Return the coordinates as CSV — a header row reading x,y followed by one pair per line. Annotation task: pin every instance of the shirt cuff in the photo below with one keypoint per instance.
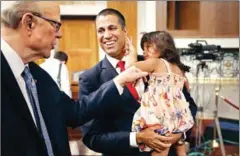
x,y
133,139
119,87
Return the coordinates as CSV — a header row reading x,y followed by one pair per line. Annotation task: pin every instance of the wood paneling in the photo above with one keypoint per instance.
x,y
79,41
166,16
183,15
171,22
210,19
220,19
39,61
75,90
129,11
188,15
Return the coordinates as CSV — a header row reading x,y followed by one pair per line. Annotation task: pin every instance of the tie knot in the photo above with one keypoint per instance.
x,y
26,71
121,65
26,74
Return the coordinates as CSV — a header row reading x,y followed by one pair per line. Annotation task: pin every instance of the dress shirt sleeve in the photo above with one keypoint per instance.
x,y
65,82
119,87
133,139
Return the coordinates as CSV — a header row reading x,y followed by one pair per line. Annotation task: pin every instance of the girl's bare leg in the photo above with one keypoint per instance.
x,y
163,153
180,150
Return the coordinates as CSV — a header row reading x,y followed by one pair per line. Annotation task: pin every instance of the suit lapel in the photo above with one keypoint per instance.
x,y
10,85
108,71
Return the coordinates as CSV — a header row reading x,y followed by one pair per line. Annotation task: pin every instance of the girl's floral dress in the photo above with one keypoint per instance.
x,y
164,104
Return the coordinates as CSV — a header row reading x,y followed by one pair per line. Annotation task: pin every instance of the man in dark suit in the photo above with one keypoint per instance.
x,y
111,134
35,114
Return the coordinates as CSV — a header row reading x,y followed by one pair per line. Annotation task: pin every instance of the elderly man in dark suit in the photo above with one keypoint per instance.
x,y
111,134
34,112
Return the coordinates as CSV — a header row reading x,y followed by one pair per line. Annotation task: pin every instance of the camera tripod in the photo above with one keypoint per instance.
x,y
216,129
202,65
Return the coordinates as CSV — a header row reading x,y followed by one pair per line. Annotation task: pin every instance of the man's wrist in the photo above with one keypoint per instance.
x,y
139,138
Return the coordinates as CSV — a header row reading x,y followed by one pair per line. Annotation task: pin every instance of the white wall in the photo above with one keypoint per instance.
x,y
146,19
6,4
83,9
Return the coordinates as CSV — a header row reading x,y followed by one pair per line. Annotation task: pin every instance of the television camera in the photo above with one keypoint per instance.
x,y
203,52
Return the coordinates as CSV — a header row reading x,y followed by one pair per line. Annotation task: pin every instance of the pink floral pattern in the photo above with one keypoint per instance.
x,y
164,104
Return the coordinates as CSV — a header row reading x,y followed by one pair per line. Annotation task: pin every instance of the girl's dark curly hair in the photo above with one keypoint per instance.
x,y
166,46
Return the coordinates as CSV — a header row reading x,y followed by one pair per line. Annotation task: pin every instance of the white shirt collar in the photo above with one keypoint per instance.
x,y
13,59
113,61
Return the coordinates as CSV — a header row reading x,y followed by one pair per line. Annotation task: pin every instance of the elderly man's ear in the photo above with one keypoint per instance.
x,y
28,21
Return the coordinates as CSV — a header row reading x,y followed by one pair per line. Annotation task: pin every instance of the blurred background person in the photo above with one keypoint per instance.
x,y
57,69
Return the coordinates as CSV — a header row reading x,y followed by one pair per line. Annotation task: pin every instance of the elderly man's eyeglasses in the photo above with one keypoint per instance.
x,y
54,23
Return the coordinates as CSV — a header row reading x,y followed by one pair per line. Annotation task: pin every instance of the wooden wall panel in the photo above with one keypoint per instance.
x,y
220,18
207,13
188,14
171,22
79,41
129,11
39,61
183,15
217,19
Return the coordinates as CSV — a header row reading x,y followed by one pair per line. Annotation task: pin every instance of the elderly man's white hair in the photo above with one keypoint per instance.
x,y
12,11
6,4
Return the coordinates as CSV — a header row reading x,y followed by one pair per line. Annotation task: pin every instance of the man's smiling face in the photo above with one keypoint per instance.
x,y
111,35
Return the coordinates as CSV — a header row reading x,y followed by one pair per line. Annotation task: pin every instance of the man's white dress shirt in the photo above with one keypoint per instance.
x,y
17,66
113,62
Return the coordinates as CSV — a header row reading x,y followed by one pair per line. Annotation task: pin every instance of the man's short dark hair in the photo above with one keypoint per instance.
x,y
61,56
110,11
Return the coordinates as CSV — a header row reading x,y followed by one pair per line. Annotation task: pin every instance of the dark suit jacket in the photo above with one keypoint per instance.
x,y
19,136
110,133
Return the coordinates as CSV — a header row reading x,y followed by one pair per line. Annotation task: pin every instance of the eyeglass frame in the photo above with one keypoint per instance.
x,y
57,25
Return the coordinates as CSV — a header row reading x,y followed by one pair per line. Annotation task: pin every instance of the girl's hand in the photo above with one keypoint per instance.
x,y
129,48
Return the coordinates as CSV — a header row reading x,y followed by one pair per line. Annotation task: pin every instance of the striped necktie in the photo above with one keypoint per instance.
x,y
33,96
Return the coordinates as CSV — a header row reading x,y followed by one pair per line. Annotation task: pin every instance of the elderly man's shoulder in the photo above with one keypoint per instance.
x,y
37,71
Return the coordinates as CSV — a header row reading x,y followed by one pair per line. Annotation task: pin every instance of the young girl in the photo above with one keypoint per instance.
x,y
163,102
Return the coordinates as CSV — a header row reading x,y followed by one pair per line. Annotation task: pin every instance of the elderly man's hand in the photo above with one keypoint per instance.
x,y
129,75
154,140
